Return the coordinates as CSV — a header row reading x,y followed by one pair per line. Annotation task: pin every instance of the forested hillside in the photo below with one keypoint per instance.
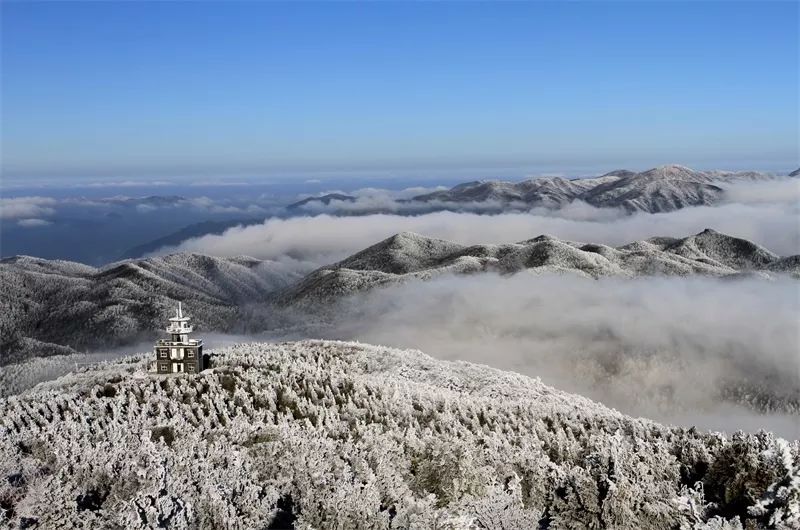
x,y
343,435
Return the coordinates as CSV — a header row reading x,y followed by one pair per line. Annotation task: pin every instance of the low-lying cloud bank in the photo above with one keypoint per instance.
x,y
721,354
24,207
323,239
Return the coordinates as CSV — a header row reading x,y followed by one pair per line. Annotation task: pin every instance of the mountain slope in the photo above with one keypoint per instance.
x,y
412,256
194,230
342,435
58,307
51,306
660,189
550,192
324,199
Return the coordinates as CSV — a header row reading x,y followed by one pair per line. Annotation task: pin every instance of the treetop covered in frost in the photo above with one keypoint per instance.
x,y
320,434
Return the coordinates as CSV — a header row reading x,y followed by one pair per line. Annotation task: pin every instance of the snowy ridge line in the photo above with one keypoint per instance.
x,y
321,434
409,256
661,189
57,308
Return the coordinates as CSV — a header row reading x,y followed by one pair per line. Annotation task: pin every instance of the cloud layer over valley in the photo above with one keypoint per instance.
x,y
712,352
763,212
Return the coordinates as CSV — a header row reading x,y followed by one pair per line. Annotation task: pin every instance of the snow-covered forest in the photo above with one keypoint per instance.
x,y
342,435
399,265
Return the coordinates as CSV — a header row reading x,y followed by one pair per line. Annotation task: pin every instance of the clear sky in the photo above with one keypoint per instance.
x,y
134,89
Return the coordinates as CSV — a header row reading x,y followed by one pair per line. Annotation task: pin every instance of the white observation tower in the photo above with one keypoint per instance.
x,y
179,353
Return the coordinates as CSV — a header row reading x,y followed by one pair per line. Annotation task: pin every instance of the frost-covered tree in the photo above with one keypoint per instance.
x,y
322,434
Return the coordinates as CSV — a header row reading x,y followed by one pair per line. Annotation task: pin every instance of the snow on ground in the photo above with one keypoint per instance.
x,y
320,434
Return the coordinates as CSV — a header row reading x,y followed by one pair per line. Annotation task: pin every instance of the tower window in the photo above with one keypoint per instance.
x,y
163,367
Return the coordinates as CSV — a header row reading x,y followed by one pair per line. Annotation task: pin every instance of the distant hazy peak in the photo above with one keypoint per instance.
x,y
324,199
659,189
619,173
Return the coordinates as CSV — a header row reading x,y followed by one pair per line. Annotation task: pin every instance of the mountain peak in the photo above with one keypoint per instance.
x,y
323,199
622,173
670,170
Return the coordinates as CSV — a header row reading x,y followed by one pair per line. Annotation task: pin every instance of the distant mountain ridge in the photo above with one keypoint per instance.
x,y
202,228
407,256
56,307
323,199
59,307
661,189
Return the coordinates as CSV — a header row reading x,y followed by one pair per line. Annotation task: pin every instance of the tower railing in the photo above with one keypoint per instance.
x,y
173,328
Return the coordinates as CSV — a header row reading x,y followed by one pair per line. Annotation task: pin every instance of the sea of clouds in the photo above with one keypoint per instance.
x,y
721,354
767,213
717,353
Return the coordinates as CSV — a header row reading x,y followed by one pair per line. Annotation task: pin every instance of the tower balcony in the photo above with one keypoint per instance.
x,y
187,342
179,329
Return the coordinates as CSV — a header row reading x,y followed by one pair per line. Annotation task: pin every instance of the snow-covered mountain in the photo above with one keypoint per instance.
x,y
550,192
59,307
660,189
344,435
56,307
408,256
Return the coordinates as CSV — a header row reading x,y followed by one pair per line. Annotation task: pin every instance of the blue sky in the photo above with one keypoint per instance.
x,y
131,89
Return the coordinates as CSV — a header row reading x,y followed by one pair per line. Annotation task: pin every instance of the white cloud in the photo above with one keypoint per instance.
x,y
129,183
26,207
777,191
648,346
31,223
381,200
326,238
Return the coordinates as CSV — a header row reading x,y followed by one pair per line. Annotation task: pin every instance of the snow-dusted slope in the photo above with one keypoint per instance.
x,y
57,307
550,192
174,239
49,307
342,435
412,256
660,189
